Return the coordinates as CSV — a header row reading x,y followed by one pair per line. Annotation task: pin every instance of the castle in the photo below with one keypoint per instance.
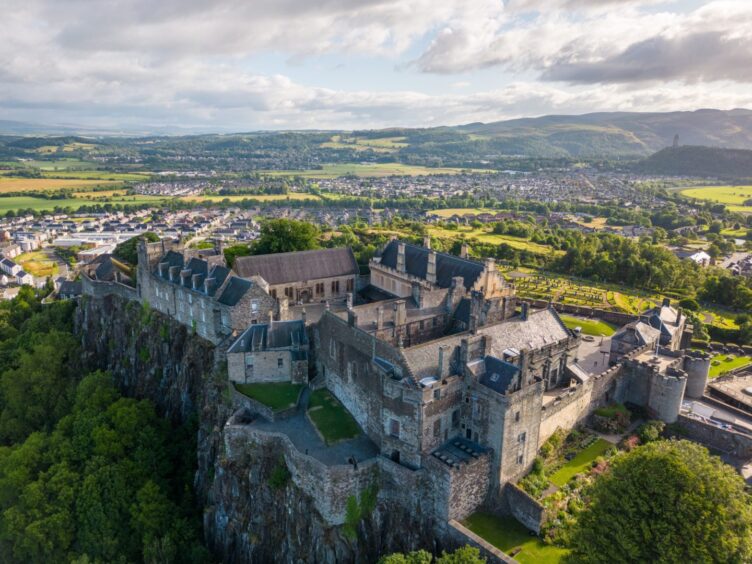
x,y
454,382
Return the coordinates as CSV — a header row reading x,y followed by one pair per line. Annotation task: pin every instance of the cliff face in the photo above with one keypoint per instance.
x,y
253,511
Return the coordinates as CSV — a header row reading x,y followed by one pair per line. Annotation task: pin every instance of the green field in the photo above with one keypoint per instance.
x,y
579,463
364,170
508,534
381,145
277,395
483,235
733,196
449,212
594,327
37,263
725,363
97,175
11,184
330,417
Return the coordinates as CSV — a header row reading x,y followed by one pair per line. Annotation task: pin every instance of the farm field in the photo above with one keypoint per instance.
x,y
39,204
57,164
733,196
485,236
97,175
381,145
507,534
364,170
9,184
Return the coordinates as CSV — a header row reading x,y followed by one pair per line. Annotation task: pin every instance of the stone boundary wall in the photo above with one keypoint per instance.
x,y
98,289
725,440
462,535
258,408
328,486
523,507
459,491
615,317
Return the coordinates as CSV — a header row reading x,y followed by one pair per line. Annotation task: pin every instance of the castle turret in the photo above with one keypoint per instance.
x,y
697,367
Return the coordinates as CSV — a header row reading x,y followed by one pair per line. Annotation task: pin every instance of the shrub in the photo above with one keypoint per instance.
x,y
650,431
279,476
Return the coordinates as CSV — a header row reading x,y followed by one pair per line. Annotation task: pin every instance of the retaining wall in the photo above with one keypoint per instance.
x,y
725,440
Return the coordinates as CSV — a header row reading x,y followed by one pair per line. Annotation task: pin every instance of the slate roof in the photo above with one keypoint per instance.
x,y
643,333
541,328
234,291
499,374
70,288
447,266
277,335
281,268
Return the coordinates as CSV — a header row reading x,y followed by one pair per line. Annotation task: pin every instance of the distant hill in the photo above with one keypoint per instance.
x,y
699,161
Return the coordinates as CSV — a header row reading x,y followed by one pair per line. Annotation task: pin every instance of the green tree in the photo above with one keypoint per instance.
x,y
668,501
127,251
286,235
463,555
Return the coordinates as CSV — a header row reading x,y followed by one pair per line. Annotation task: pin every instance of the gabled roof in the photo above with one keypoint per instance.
x,y
234,291
281,268
499,374
447,266
277,335
541,328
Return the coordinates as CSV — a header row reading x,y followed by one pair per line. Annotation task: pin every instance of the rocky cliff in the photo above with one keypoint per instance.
x,y
253,512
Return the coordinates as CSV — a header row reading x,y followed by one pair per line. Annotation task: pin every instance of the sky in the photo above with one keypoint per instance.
x,y
243,65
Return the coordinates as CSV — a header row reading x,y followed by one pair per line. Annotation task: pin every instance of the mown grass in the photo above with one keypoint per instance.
x,y
484,235
331,418
276,395
581,462
733,196
508,534
594,327
37,263
726,363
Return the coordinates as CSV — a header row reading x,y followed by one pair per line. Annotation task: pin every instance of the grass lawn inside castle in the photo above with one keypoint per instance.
x,y
594,327
724,363
276,395
332,420
508,535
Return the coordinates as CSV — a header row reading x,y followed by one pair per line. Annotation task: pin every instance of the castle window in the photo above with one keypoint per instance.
x,y
421,325
273,293
521,437
520,459
335,286
455,418
394,428
437,428
437,393
254,306
319,288
349,284
280,362
517,417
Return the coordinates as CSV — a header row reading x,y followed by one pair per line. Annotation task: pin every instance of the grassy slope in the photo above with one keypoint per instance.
x,y
579,463
277,395
332,420
507,533
594,327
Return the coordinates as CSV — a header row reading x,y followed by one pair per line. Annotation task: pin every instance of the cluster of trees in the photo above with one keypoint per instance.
x,y
85,474
277,236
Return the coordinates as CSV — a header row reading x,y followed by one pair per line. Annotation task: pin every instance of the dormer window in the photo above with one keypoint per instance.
x,y
495,377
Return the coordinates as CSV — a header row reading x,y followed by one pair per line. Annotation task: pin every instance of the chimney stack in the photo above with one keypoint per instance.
x,y
463,251
427,242
400,313
303,316
442,362
379,318
400,257
431,268
666,302
352,318
196,281
524,307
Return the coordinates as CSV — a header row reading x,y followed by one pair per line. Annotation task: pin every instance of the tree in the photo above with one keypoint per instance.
x,y
286,235
127,251
463,555
668,501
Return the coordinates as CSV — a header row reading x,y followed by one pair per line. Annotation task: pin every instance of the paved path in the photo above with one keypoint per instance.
x,y
305,438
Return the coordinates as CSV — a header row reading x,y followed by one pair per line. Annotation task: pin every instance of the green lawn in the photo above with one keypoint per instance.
x,y
332,420
726,363
277,395
594,327
733,196
579,463
506,534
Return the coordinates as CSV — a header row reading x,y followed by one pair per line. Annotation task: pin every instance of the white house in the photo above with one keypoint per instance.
x,y
9,267
23,277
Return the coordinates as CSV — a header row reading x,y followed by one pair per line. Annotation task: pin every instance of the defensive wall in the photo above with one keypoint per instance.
x,y
615,317
725,440
99,289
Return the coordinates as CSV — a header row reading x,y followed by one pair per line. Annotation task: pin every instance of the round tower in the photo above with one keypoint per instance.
x,y
666,393
697,367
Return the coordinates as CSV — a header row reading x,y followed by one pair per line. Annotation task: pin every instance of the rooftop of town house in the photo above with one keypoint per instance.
x,y
447,266
282,268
